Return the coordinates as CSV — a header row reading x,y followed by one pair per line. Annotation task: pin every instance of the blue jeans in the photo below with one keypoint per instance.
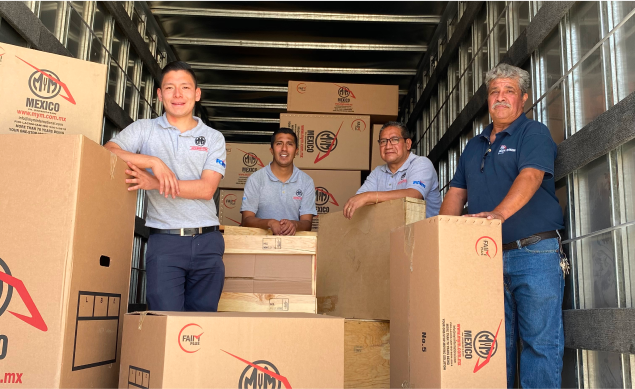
x,y
185,273
534,287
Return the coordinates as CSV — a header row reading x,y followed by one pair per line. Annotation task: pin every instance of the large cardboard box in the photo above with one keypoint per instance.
x,y
229,350
229,207
447,315
353,279
332,190
244,159
65,250
332,142
375,156
50,94
379,101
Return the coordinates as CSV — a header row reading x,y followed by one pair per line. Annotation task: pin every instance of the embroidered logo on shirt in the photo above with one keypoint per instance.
x,y
200,142
403,175
503,149
298,195
220,162
421,184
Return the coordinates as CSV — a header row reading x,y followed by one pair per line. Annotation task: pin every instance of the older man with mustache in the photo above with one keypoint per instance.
x,y
506,173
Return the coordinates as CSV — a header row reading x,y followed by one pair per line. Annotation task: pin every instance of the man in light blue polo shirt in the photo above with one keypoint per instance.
x,y
403,175
179,161
280,197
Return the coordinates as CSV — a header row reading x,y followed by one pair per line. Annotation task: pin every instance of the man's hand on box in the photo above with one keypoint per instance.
x,y
142,179
288,227
489,215
168,183
355,202
275,226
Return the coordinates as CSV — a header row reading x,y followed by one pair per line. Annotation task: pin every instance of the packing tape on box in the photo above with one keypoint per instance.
x,y
142,315
113,164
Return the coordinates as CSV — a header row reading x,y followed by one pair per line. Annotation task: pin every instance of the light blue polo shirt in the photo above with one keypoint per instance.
x,y
269,198
187,155
416,173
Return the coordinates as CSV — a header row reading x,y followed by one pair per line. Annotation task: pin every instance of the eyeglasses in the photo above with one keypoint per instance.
x,y
483,160
393,141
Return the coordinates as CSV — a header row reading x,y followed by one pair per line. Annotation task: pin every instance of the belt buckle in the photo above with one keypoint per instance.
x,y
200,231
183,232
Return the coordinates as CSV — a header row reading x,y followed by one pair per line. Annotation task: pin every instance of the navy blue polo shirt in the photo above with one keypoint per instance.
x,y
525,143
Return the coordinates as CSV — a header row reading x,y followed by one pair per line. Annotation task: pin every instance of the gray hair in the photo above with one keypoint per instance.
x,y
504,70
405,133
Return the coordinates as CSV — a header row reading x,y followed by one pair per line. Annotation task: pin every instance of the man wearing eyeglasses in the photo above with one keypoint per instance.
x,y
403,175
506,173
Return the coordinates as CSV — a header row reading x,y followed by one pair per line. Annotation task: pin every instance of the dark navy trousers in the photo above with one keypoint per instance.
x,y
185,273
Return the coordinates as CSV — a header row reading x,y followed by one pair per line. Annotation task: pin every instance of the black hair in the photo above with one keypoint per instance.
x,y
284,130
174,66
405,133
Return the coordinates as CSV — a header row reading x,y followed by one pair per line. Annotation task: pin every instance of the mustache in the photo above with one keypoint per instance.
x,y
501,103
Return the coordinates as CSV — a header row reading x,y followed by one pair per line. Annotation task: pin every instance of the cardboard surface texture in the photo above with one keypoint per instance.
x,y
354,258
229,207
380,101
332,191
447,314
228,350
332,142
50,94
375,157
65,252
244,159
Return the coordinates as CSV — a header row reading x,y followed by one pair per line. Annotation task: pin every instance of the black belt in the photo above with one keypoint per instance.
x,y
184,231
530,240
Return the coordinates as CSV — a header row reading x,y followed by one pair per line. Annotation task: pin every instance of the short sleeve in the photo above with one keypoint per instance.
x,y
307,205
216,155
371,182
538,151
421,176
131,138
251,195
458,181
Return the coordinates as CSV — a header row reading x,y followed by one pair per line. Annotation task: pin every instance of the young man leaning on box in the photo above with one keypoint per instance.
x,y
280,196
403,175
180,162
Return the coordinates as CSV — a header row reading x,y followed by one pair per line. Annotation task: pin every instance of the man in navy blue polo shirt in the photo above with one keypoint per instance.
x,y
280,196
403,175
506,173
179,161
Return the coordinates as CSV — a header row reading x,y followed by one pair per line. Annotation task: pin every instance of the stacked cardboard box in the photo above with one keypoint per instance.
x,y
65,254
446,304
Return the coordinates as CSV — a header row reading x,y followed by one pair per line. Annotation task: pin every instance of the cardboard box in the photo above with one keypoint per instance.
x,y
446,304
50,94
332,142
229,207
379,101
228,350
354,258
366,353
375,157
332,190
65,252
244,159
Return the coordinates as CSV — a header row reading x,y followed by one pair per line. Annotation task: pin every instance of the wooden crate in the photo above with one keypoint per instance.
x,y
366,353
241,240
354,258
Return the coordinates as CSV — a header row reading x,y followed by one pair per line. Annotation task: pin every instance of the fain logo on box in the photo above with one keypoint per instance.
x,y
35,320
260,374
301,88
190,338
486,247
230,201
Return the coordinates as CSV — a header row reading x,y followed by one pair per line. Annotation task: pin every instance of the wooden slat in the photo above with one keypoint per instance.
x,y
269,244
234,230
366,354
256,302
415,210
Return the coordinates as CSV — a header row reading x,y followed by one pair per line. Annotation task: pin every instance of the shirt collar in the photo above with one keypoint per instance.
x,y
294,176
163,122
509,130
403,167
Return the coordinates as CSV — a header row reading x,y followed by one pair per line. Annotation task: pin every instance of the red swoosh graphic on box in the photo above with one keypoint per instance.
x,y
69,98
280,378
351,92
319,158
255,156
36,319
333,201
233,220
478,367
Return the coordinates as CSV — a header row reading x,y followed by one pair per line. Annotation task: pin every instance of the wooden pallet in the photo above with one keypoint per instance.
x,y
260,302
366,353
